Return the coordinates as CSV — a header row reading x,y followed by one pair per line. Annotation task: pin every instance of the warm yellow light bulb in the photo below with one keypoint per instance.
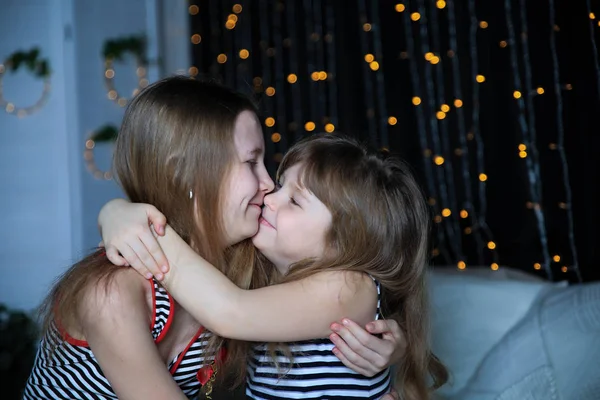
x,y
480,78
446,212
415,16
416,100
309,126
438,160
461,265
445,108
517,94
270,122
244,54
392,120
458,103
400,7
483,177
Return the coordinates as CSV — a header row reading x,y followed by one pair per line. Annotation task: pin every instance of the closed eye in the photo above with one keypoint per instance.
x,y
294,202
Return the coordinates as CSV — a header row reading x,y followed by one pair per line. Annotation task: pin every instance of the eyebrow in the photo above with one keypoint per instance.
x,y
255,152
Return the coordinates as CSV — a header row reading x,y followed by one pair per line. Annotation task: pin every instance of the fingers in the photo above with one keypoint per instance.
x,y
346,361
360,348
157,220
114,257
154,253
365,343
134,261
150,253
392,333
385,326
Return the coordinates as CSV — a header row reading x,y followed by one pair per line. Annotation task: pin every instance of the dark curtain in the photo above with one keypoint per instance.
x,y
493,103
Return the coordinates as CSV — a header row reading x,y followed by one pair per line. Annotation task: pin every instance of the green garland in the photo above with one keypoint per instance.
x,y
107,133
115,49
31,60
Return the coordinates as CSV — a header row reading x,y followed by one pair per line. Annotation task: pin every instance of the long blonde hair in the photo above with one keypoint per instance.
x,y
380,226
176,137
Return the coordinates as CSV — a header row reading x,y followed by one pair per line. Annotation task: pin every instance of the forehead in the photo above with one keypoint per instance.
x,y
292,174
247,133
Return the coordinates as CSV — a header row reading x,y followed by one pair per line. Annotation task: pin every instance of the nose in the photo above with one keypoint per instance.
x,y
270,201
266,183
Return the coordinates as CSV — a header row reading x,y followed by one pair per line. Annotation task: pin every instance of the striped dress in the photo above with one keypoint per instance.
x,y
72,371
316,373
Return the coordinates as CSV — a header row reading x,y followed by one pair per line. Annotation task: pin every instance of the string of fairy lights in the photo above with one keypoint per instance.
x,y
460,214
294,68
38,67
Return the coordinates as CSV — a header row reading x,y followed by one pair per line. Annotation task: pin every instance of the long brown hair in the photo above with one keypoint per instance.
x,y
174,151
380,226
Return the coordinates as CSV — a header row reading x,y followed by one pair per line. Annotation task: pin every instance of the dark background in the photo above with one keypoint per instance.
x,y
535,213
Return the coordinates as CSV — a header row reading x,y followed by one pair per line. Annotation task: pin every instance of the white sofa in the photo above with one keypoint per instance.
x,y
507,335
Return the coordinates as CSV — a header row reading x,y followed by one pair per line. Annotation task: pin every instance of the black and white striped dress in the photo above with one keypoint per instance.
x,y
316,373
72,371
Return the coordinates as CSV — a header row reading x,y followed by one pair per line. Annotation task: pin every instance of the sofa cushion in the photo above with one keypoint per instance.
x,y
472,310
551,353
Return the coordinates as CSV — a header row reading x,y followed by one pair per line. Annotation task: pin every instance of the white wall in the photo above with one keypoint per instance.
x,y
49,199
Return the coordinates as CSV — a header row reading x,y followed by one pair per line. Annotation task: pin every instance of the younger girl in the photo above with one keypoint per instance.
x,y
348,233
195,150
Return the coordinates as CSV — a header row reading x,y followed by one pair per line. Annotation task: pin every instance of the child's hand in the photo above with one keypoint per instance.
x,y
127,235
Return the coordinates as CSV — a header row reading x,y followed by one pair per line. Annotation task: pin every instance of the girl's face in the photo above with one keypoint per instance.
x,y
294,223
248,182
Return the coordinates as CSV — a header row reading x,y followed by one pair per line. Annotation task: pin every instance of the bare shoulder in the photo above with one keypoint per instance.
x,y
116,296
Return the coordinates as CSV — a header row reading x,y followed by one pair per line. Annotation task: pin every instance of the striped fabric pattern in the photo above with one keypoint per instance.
x,y
316,373
72,371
